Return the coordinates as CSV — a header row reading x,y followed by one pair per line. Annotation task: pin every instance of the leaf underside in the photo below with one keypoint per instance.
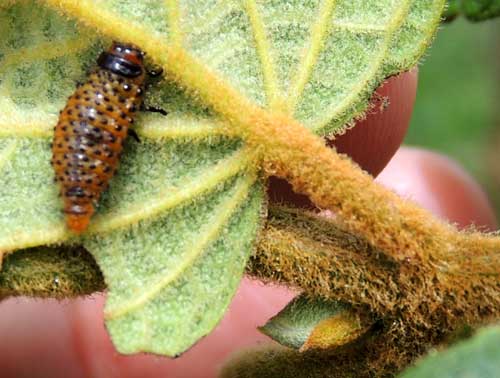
x,y
173,233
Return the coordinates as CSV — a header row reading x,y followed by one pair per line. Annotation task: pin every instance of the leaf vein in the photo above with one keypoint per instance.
x,y
264,52
337,109
319,30
44,51
174,16
172,197
359,28
207,235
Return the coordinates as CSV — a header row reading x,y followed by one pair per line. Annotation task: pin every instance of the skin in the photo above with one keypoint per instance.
x,y
50,339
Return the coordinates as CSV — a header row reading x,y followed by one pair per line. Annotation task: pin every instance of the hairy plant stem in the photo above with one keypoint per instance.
x,y
50,273
419,300
415,302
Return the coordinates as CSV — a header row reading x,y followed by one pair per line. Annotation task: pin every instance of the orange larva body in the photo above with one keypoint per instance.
x,y
89,136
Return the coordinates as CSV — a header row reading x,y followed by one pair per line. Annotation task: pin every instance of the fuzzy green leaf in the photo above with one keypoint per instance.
x,y
478,357
314,324
173,233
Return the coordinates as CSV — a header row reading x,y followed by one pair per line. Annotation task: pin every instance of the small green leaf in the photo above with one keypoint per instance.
x,y
474,10
314,324
452,10
479,10
478,357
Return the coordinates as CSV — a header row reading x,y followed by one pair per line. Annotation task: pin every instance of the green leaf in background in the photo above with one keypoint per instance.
x,y
478,357
474,10
314,324
173,233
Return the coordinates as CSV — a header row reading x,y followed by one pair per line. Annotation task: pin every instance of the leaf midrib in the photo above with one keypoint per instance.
x,y
212,89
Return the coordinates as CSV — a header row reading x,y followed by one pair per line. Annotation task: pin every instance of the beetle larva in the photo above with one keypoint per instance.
x,y
89,136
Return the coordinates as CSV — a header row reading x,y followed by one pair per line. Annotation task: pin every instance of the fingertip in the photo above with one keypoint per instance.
x,y
253,304
440,185
374,140
36,340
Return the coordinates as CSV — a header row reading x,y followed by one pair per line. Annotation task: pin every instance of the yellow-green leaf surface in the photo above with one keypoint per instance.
x,y
173,233
314,324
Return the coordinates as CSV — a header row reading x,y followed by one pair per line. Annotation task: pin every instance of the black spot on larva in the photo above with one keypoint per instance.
x,y
126,87
109,108
75,191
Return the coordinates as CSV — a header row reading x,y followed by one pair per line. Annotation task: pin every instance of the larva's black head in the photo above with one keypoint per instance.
x,y
127,51
123,59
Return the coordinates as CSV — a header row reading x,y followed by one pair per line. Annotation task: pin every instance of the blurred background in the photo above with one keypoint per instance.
x,y
458,100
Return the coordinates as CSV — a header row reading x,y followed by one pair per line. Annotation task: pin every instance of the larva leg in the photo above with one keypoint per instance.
x,y
152,109
133,134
